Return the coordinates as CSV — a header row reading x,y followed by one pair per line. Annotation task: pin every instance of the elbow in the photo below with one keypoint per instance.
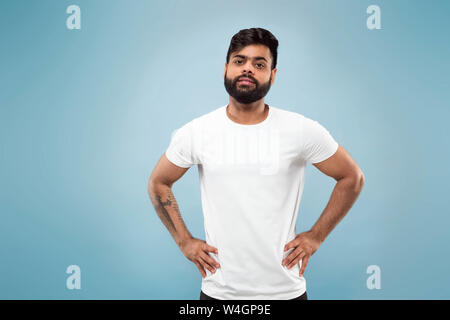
x,y
359,181
355,181
152,185
155,186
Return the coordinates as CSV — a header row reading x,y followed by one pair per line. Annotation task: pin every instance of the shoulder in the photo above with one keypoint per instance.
x,y
196,121
199,124
288,117
306,126
305,122
210,115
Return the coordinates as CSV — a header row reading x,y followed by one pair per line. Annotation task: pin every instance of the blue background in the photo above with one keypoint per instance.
x,y
86,114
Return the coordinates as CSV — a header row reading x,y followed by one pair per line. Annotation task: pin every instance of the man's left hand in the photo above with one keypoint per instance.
x,y
305,244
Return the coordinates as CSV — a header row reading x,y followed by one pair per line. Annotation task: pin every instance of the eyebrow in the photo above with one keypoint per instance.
x,y
254,58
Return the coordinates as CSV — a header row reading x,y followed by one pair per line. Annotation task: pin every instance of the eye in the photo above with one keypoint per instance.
x,y
237,61
260,65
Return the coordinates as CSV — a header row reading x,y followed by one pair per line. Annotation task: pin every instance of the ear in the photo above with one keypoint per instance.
x,y
225,70
274,72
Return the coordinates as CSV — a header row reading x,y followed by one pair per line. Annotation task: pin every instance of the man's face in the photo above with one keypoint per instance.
x,y
253,63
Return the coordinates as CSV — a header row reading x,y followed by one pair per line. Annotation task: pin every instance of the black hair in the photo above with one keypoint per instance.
x,y
250,36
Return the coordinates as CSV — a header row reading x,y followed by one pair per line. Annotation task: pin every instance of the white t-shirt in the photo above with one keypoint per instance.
x,y
251,180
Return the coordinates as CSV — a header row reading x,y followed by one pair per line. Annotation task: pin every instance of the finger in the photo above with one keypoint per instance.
x,y
206,265
292,244
209,248
210,260
296,259
304,263
293,259
289,245
291,256
200,268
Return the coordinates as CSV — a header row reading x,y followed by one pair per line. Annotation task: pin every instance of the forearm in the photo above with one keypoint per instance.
x,y
167,209
342,199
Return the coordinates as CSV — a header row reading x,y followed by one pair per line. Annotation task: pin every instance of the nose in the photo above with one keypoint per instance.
x,y
248,68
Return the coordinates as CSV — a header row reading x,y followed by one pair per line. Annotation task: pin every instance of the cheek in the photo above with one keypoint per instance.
x,y
262,77
231,74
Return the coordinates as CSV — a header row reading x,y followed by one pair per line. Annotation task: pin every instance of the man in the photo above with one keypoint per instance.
x,y
251,158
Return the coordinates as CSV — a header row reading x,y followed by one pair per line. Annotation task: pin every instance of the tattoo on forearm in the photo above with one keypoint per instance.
x,y
161,208
171,199
164,214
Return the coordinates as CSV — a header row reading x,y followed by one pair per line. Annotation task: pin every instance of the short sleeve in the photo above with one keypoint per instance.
x,y
180,151
318,144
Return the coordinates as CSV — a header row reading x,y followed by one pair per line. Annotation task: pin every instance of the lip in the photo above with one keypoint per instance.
x,y
245,80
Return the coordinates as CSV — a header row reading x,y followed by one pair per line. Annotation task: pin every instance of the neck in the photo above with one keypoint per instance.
x,y
251,113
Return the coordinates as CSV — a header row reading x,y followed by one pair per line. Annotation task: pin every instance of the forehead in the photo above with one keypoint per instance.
x,y
254,50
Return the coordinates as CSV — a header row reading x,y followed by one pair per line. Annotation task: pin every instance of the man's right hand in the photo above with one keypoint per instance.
x,y
197,250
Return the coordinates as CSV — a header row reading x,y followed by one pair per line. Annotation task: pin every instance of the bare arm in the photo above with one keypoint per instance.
x,y
164,202
160,191
350,181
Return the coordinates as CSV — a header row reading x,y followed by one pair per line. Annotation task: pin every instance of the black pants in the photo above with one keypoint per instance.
x,y
204,296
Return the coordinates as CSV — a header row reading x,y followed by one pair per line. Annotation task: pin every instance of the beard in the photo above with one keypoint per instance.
x,y
246,94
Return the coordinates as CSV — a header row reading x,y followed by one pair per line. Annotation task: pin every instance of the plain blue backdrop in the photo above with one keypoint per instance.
x,y
86,114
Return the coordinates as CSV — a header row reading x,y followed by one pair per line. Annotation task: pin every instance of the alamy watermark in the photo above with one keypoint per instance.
x,y
74,280
374,280
74,20
374,20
